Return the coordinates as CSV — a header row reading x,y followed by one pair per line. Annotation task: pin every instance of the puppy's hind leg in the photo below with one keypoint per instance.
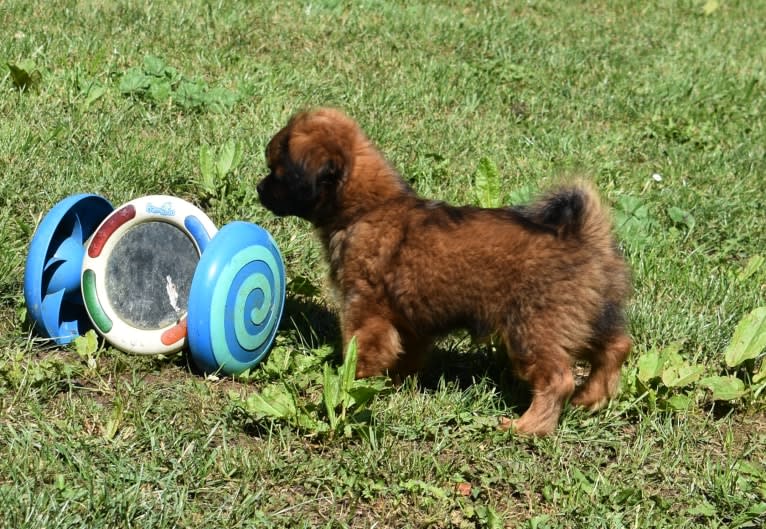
x,y
548,370
603,381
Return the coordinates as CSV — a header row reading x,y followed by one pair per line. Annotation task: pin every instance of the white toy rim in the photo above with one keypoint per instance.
x,y
153,208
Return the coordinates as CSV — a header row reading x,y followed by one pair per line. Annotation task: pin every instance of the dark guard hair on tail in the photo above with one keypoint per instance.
x,y
565,211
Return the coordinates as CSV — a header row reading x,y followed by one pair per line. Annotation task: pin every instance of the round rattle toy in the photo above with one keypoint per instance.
x,y
137,272
155,275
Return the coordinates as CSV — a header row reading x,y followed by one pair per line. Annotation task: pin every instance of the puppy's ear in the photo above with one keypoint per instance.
x,y
322,159
334,169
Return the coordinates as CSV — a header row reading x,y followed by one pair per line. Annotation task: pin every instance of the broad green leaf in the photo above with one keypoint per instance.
x,y
190,94
25,74
238,151
491,519
680,376
330,394
749,338
275,401
304,363
750,468
761,374
220,99
724,387
627,496
653,363
536,521
632,219
311,423
363,393
330,387
494,520
585,482
348,369
154,66
758,509
229,157
207,169
172,74
679,402
680,216
323,353
670,355
649,366
87,344
422,487
702,509
113,424
160,90
522,195
134,81
278,361
632,207
487,183
753,265
93,93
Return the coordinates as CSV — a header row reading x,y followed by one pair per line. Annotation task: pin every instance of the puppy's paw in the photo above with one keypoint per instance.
x,y
505,424
590,400
523,426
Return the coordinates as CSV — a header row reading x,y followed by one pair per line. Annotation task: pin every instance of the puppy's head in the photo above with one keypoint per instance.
x,y
308,161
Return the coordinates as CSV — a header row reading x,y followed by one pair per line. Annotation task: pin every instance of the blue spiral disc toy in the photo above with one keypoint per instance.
x,y
236,299
53,266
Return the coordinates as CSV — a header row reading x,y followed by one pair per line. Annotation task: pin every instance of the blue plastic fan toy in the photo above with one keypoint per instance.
x,y
54,266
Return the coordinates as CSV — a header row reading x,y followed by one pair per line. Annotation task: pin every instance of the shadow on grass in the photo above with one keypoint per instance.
x,y
314,324
464,366
453,362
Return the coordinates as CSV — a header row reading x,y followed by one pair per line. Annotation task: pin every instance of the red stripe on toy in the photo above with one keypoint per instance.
x,y
174,334
115,220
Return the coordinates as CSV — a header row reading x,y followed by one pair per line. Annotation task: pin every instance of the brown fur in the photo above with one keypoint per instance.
x,y
546,278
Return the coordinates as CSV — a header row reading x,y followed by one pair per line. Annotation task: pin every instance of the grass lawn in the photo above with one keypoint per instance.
x,y
661,103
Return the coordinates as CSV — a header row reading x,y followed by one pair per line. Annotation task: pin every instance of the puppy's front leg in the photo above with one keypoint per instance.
x,y
378,343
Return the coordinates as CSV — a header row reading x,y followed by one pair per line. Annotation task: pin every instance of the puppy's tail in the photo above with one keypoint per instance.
x,y
573,212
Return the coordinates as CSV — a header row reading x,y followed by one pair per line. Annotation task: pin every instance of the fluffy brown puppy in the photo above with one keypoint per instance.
x,y
546,278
